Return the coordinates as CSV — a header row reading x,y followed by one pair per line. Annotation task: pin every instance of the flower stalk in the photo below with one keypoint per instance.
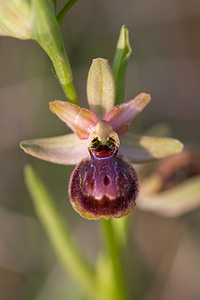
x,y
46,31
113,251
66,7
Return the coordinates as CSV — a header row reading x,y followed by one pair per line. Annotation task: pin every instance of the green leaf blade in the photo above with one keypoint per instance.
x,y
59,235
122,55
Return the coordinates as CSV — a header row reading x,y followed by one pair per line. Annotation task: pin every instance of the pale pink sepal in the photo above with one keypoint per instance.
x,y
66,150
120,116
80,120
141,149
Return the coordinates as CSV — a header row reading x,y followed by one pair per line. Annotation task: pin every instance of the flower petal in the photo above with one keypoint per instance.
x,y
80,120
67,149
120,116
174,202
100,87
140,149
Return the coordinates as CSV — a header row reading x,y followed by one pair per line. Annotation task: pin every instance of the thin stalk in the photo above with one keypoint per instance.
x,y
113,250
55,4
46,31
66,7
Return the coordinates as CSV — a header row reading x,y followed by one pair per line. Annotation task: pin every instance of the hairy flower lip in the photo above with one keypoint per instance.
x,y
93,196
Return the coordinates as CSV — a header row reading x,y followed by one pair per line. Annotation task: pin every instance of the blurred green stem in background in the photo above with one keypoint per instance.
x,y
54,4
46,31
66,7
58,233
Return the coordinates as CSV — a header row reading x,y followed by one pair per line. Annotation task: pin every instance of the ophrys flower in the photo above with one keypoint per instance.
x,y
104,183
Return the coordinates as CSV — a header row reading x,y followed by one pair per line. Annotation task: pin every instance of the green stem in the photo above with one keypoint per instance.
x,y
59,235
54,4
112,246
65,9
46,31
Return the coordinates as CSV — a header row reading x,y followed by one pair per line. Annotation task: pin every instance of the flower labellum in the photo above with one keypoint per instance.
x,y
104,182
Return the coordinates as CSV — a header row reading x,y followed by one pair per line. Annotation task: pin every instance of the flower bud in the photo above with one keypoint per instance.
x,y
15,18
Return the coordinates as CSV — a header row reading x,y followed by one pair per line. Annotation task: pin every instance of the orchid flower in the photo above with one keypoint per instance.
x,y
104,182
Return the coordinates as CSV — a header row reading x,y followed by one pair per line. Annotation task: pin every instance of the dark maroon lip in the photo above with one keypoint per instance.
x,y
102,152
104,186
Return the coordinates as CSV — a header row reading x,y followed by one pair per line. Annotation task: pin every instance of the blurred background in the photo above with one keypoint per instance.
x,y
162,260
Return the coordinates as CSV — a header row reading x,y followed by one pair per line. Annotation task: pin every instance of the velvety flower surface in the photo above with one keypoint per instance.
x,y
104,182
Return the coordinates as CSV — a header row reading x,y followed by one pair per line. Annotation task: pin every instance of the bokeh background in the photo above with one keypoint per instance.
x,y
162,260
